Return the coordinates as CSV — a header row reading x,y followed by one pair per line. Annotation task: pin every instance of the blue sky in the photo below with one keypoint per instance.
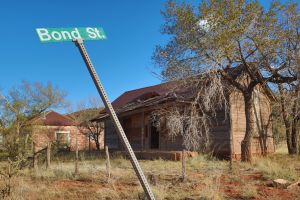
x,y
123,61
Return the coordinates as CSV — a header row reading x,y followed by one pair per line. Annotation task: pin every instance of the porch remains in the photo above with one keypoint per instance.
x,y
134,109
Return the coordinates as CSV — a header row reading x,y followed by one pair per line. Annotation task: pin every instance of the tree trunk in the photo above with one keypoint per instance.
x,y
294,134
246,153
286,121
288,138
183,159
26,143
48,155
97,142
294,139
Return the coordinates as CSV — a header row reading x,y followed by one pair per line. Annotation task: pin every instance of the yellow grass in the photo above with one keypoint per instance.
x,y
206,179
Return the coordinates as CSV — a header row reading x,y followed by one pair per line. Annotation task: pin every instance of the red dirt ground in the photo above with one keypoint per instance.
x,y
232,189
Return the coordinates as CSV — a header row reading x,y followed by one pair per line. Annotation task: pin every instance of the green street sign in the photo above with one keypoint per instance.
x,y
70,34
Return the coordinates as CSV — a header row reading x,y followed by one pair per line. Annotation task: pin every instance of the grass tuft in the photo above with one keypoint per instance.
x,y
249,191
272,169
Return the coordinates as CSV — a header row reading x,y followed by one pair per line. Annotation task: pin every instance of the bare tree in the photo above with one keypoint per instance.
x,y
197,102
198,99
83,116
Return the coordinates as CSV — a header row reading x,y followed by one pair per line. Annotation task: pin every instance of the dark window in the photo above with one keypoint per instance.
x,y
63,140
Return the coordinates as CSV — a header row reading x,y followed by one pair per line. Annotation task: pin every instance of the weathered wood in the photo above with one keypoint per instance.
x,y
48,155
111,138
107,163
238,125
143,130
227,132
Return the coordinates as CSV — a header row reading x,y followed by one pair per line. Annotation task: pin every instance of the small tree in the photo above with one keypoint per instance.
x,y
94,130
86,112
21,104
197,102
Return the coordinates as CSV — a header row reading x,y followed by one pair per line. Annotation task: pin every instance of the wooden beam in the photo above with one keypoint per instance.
x,y
143,130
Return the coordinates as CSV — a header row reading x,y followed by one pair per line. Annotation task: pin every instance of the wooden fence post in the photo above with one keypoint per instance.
x,y
35,157
183,159
48,155
90,144
76,156
107,164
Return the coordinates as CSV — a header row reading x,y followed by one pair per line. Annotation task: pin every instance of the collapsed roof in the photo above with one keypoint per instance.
x,y
161,93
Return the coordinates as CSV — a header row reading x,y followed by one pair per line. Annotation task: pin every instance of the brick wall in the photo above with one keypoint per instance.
x,y
43,134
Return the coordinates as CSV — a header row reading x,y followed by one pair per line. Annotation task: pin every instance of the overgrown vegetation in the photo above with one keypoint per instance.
x,y
228,36
207,178
20,105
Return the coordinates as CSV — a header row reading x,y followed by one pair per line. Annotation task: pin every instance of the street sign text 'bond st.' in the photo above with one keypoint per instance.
x,y
70,34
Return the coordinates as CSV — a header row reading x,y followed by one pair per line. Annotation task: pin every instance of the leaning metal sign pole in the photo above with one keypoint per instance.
x,y
77,35
113,116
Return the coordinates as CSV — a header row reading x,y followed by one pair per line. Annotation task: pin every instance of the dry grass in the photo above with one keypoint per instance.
x,y
278,167
249,191
207,179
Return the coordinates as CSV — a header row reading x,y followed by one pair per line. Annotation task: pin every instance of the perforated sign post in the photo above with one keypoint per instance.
x,y
77,35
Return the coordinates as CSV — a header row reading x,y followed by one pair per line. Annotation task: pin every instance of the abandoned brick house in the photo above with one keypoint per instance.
x,y
56,128
134,110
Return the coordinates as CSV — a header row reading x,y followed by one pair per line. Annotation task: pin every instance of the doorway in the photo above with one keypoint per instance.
x,y
154,138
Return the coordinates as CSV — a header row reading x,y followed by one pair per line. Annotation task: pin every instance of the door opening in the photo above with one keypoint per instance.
x,y
154,138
